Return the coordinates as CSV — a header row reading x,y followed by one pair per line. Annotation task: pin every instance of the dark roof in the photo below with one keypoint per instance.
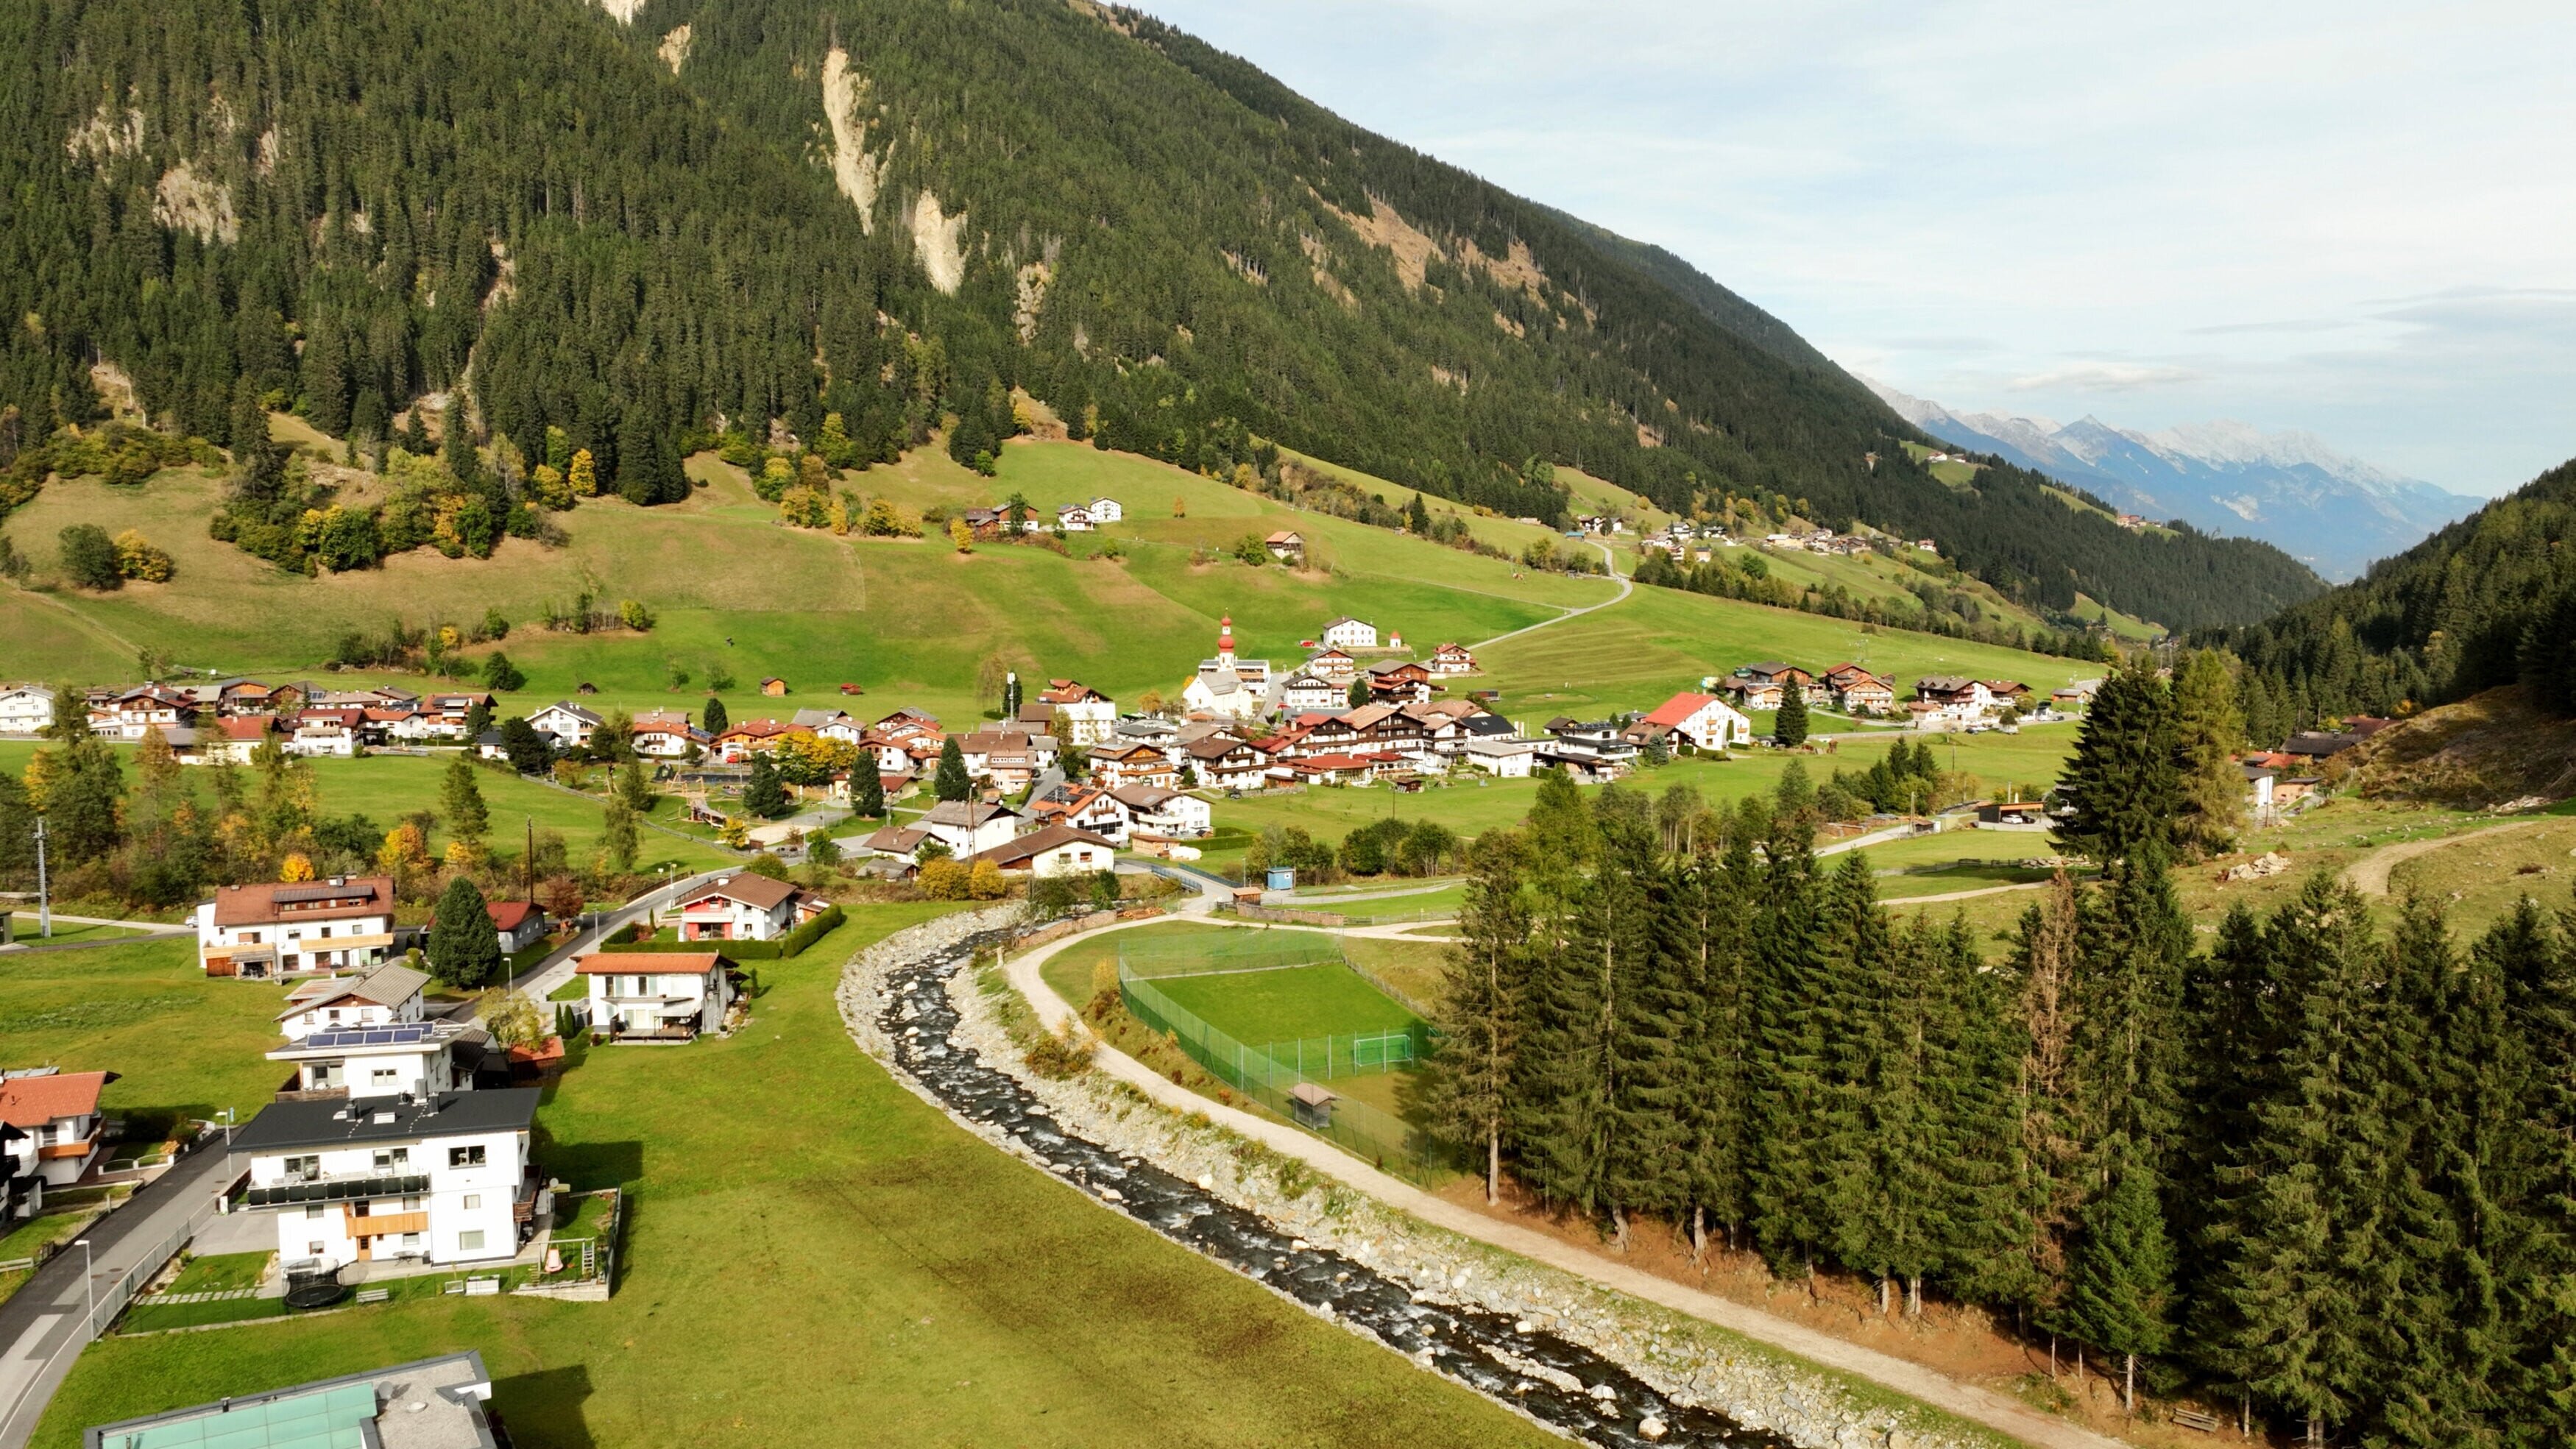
x,y
1484,724
284,1126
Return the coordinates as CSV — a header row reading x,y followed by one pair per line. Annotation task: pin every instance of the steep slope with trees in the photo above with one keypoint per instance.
x,y
893,210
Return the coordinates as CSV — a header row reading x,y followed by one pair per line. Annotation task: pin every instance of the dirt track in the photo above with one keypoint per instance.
x,y
2369,875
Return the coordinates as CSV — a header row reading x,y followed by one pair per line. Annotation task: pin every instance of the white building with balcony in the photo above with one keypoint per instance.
x,y
656,995
263,932
58,1114
746,907
438,1179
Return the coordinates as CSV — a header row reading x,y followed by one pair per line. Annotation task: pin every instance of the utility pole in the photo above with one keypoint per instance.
x,y
530,860
44,892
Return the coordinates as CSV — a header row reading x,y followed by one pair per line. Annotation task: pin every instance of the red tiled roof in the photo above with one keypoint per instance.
x,y
648,963
35,1101
1678,708
510,915
251,905
749,888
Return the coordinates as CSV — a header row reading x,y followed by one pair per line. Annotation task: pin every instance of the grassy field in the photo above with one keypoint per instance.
x,y
1289,1002
184,1046
816,1256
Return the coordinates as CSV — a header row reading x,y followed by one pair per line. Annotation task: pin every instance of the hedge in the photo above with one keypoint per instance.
x,y
791,944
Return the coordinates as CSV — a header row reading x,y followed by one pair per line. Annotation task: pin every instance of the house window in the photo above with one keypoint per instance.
x,y
384,1076
473,1200
314,1248
465,1156
303,1169
399,1157
470,1242
412,1203
313,1211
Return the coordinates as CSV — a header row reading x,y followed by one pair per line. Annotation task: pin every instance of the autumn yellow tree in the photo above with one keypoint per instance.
x,y
960,535
296,867
984,882
136,558
945,879
583,475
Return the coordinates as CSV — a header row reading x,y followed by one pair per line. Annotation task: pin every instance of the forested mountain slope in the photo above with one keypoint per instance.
x,y
643,221
2490,600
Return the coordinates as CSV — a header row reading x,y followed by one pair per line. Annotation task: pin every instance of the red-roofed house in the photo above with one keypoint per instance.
x,y
261,932
1702,721
745,907
521,923
59,1111
753,736
656,995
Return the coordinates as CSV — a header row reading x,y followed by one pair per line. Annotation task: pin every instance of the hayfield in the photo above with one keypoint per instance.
x,y
183,1046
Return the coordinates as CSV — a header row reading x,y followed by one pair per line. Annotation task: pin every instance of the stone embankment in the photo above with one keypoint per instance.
x,y
1691,1365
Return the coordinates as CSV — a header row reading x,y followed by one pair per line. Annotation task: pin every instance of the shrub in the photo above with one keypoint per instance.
x,y
945,879
633,614
89,558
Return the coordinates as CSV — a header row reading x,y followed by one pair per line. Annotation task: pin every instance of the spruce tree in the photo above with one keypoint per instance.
x,y
763,794
1790,1101
2121,783
2535,960
1893,1223
1647,1057
2120,1290
1708,936
713,719
1417,518
1789,726
951,782
1982,1231
2048,1097
460,803
2207,731
1471,1084
464,946
2136,948
867,788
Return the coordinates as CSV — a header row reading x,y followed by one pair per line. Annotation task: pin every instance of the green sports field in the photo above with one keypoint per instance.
x,y
1288,1002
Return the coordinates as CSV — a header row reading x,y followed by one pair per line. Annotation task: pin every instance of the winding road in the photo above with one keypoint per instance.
x,y
1609,561
2369,875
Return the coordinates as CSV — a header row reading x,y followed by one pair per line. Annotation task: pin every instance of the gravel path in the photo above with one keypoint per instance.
x,y
2369,875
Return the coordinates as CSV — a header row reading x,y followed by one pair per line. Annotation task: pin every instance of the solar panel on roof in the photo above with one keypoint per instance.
x,y
300,894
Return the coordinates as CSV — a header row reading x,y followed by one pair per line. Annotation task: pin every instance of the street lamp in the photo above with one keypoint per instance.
x,y
89,1286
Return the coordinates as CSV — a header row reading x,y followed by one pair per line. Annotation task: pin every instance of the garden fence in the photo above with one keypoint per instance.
x,y
1267,1073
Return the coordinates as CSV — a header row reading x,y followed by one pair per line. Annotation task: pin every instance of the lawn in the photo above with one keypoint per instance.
x,y
22,1242
816,1256
1282,1005
183,1046
221,1273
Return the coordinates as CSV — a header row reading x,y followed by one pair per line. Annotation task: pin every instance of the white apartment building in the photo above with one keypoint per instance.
x,y
1309,692
566,721
25,709
1349,633
438,1179
389,995
746,907
414,1058
263,932
1092,714
656,995
1107,510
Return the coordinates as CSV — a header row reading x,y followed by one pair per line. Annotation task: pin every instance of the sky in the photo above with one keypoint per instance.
x,y
2357,219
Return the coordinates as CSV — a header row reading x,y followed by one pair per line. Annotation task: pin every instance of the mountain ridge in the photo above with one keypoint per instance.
x,y
2292,489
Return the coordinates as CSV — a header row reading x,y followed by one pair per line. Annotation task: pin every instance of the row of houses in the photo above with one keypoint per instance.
x,y
1229,686
229,719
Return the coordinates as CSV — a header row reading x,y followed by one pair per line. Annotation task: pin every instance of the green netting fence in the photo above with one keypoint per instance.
x,y
1266,1073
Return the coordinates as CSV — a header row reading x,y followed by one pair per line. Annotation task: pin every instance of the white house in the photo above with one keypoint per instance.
x,y
1703,721
324,733
745,907
520,924
389,995
1073,518
566,721
971,827
1106,510
25,709
414,1058
440,1179
1164,812
149,706
1511,759
1335,666
1055,850
656,995
1349,633
59,1113
1092,714
1307,690
262,932
831,724
1452,658
665,735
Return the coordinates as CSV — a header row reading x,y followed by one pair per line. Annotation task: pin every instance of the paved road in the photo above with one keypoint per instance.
x,y
556,968
1984,1406
40,1327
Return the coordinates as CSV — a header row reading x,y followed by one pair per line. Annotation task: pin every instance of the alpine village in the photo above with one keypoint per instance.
x,y
820,722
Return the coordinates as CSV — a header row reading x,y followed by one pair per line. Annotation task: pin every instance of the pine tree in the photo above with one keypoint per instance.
x,y
1480,1019
82,821
2207,731
2120,1290
1707,936
1646,1055
1357,696
763,795
460,803
1982,1229
1417,518
1789,1096
2048,1093
951,782
1789,726
2121,783
2535,960
867,788
714,720
2128,1028
464,946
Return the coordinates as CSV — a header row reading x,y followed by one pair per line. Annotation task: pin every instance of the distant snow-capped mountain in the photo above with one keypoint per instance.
x,y
2331,511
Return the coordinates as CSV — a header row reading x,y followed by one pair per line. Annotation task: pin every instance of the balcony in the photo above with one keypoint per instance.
x,y
339,1187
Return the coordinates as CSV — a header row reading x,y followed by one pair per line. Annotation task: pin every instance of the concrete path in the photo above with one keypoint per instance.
x,y
1968,1401
41,1329
2369,875
1626,585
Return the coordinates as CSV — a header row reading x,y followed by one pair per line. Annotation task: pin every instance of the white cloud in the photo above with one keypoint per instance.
x,y
2106,377
2233,191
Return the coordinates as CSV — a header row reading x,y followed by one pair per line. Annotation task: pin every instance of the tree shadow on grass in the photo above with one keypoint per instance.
x,y
588,1166
543,1410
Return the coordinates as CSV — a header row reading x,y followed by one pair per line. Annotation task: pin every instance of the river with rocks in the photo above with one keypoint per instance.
x,y
1560,1383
